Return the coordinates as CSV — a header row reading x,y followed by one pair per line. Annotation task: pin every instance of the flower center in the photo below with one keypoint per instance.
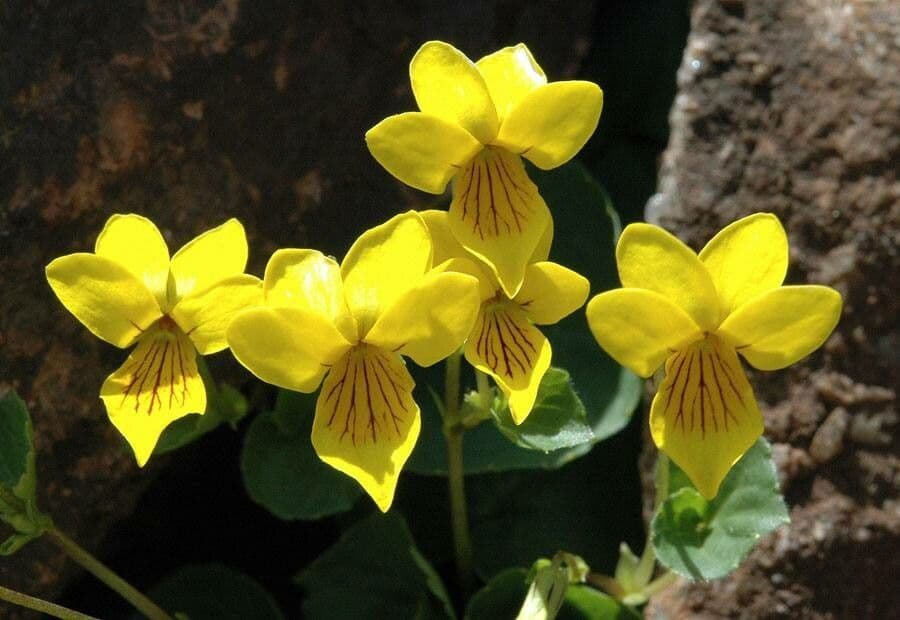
x,y
167,323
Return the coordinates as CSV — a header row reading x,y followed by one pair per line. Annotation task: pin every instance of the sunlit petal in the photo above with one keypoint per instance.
x,y
208,258
367,422
508,347
421,150
431,320
639,328
158,384
498,215
205,316
384,263
449,255
783,325
106,297
651,258
552,122
135,243
510,74
447,84
309,280
551,292
704,416
746,258
291,348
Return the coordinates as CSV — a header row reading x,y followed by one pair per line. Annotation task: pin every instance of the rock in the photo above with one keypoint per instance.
x,y
791,462
794,108
828,442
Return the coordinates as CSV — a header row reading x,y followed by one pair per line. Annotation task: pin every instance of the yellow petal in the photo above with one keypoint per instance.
x,y
384,263
157,385
487,283
421,150
204,316
447,84
498,215
105,296
208,258
704,415
449,255
746,258
510,74
446,246
309,279
649,257
291,348
135,243
552,122
367,422
551,292
444,243
505,345
431,320
542,251
784,325
639,328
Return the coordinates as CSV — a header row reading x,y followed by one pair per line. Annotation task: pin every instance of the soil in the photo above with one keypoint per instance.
x,y
794,108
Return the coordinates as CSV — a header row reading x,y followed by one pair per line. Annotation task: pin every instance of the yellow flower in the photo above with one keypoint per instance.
x,y
476,122
504,342
696,313
350,324
129,291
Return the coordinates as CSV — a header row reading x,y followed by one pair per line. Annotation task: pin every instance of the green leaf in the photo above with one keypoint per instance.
x,y
16,542
518,516
558,419
225,405
214,592
282,471
586,228
707,540
15,441
589,603
502,597
373,571
18,479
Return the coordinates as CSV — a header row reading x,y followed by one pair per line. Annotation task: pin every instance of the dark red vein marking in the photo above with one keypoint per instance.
x,y
369,399
503,206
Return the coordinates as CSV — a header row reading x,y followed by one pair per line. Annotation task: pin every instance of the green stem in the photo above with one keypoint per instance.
x,y
453,433
484,391
45,607
644,570
107,576
661,481
451,389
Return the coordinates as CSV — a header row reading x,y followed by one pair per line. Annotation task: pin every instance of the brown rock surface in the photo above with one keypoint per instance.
x,y
794,108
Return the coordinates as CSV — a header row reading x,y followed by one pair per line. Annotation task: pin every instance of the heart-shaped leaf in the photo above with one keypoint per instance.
x,y
707,540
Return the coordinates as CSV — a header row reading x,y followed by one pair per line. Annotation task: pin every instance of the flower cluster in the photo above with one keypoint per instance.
x,y
423,286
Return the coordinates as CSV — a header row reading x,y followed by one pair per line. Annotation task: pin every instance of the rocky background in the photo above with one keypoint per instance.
x,y
794,108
